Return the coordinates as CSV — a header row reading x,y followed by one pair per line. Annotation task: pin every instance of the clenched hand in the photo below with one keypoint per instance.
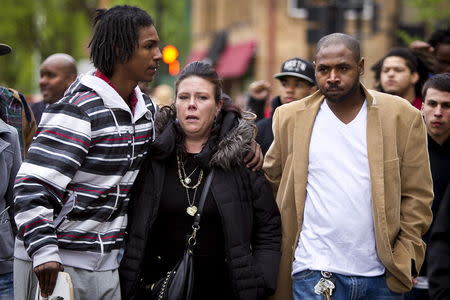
x,y
47,273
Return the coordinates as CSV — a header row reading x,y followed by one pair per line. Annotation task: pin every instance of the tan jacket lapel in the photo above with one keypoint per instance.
x,y
376,165
304,124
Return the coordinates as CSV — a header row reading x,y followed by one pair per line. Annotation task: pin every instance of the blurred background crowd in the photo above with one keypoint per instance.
x,y
244,47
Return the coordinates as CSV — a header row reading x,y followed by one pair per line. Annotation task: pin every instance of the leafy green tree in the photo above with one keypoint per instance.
x,y
434,13
37,28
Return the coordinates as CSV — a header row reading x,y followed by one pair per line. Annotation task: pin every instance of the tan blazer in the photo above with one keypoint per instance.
x,y
400,176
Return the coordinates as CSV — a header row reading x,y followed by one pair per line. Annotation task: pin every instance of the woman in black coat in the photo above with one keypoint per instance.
x,y
238,244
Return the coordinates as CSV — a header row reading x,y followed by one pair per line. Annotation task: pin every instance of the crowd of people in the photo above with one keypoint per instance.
x,y
341,193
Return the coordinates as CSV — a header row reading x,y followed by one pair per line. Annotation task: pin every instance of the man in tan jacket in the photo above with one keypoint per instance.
x,y
351,172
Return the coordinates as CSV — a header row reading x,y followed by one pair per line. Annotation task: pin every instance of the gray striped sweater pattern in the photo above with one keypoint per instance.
x,y
85,158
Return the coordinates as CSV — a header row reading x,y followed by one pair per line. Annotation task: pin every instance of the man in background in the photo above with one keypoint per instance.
x,y
57,72
439,46
296,82
402,72
436,114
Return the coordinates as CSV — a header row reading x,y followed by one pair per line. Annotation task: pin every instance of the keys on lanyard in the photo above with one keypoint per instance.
x,y
325,286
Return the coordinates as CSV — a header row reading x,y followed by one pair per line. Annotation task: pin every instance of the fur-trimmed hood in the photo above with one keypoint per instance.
x,y
225,150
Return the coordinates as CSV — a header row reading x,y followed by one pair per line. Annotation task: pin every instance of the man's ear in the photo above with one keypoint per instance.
x,y
361,66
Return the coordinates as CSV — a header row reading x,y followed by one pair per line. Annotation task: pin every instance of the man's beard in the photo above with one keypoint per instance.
x,y
337,99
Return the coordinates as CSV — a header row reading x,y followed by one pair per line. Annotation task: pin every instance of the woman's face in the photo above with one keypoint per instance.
x,y
196,107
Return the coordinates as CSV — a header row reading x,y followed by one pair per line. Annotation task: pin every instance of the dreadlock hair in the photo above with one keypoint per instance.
x,y
416,61
116,36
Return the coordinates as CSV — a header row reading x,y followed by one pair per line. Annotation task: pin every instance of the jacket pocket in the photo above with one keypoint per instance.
x,y
6,241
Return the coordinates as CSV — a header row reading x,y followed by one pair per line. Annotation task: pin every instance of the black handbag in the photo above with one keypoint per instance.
x,y
178,284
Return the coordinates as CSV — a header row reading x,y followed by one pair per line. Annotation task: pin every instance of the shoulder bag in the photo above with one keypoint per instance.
x,y
178,284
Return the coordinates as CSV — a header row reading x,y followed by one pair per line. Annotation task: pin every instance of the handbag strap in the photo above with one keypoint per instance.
x,y
201,202
195,226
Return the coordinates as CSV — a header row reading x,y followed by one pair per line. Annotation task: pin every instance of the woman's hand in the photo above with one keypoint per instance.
x,y
254,159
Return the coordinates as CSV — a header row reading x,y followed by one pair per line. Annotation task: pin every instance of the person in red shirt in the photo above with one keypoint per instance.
x,y
402,72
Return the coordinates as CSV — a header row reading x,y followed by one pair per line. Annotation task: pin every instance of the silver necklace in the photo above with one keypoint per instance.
x,y
187,179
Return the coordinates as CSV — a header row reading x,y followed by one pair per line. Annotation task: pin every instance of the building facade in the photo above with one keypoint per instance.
x,y
248,40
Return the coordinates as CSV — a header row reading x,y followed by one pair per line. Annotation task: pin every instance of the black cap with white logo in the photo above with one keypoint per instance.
x,y
298,68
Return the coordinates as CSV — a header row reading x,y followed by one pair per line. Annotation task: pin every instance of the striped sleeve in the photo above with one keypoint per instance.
x,y
60,147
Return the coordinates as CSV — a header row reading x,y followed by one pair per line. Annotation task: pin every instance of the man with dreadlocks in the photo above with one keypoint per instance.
x,y
71,194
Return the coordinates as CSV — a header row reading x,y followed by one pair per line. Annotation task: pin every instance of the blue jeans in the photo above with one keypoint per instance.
x,y
346,287
6,286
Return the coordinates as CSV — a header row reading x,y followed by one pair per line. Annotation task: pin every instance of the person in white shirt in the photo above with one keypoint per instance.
x,y
351,171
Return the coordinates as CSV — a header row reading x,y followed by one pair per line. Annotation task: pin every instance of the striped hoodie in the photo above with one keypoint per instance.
x,y
82,164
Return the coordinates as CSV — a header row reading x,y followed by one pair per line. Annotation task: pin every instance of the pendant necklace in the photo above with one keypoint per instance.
x,y
191,209
187,180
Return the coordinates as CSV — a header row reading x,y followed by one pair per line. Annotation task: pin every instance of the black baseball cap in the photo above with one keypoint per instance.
x,y
4,49
297,67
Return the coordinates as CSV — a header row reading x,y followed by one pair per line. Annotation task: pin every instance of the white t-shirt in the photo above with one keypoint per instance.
x,y
338,232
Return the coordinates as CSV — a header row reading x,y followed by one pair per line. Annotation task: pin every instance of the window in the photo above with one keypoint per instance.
x,y
299,8
367,11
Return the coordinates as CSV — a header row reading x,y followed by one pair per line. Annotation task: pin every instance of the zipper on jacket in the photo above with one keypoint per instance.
x,y
152,122
132,144
115,121
115,203
102,249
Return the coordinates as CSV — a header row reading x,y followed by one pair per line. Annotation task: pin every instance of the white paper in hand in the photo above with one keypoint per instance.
x,y
63,289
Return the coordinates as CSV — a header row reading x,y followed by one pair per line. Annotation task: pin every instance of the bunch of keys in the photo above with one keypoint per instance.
x,y
325,286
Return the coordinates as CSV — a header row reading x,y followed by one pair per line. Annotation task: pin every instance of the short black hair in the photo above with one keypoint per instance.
x,y
416,61
116,36
340,38
440,82
440,36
